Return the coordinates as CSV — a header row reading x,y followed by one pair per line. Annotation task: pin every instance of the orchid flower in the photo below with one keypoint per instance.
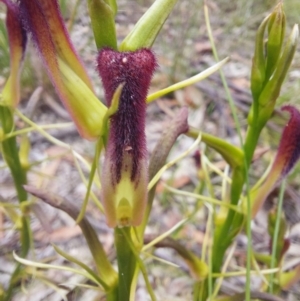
x,y
125,170
287,156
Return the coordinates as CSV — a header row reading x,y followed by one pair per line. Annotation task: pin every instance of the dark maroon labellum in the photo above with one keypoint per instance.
x,y
124,175
127,127
289,147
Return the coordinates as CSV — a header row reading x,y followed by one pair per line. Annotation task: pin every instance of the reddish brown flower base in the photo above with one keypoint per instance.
x,y
289,147
124,175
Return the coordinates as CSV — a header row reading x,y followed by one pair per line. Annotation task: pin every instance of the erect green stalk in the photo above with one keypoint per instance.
x,y
225,233
196,291
126,262
251,140
276,234
11,156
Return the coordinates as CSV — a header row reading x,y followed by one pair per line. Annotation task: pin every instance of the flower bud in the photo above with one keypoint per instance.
x,y
270,64
276,31
258,61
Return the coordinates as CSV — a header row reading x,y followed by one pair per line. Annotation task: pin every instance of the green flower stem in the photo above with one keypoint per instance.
x,y
11,156
102,14
251,140
10,153
274,256
197,290
126,262
225,233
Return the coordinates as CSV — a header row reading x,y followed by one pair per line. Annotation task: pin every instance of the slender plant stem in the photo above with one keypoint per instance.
x,y
275,236
249,237
197,291
98,148
251,142
126,262
11,156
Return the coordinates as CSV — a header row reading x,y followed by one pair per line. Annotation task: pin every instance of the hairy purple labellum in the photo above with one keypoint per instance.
x,y
126,149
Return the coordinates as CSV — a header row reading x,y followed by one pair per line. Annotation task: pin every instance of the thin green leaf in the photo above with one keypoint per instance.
x,y
52,266
82,265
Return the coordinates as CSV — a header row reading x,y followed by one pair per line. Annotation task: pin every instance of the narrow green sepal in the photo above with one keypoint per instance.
x,y
82,265
112,109
102,14
148,27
